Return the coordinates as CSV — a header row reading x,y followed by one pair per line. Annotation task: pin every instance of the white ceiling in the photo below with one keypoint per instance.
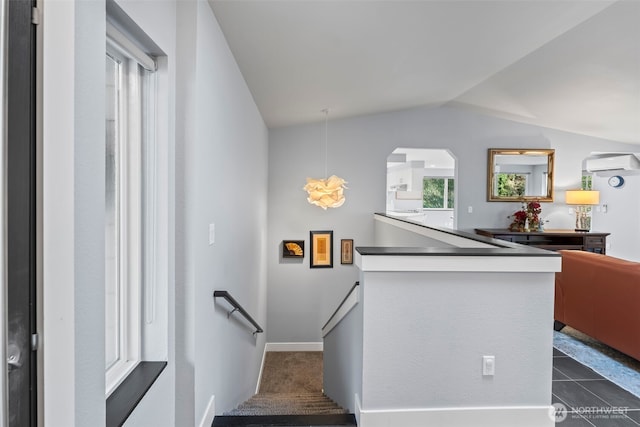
x,y
566,64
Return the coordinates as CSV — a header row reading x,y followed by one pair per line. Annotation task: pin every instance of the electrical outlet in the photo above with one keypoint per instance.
x,y
470,209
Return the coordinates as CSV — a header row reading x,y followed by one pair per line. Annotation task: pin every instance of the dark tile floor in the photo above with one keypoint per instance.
x,y
590,399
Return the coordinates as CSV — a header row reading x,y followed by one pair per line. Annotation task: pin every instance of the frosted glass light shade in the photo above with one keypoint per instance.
x,y
582,197
326,193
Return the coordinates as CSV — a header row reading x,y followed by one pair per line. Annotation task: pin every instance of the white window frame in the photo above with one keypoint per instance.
x,y
136,207
444,196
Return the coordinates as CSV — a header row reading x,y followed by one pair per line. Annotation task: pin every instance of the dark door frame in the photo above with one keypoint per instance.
x,y
21,212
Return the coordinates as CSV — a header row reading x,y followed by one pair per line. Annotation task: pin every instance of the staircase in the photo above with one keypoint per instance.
x,y
290,395
288,404
286,409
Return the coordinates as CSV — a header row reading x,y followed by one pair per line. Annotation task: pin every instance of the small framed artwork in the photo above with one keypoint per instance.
x,y
346,251
321,249
293,249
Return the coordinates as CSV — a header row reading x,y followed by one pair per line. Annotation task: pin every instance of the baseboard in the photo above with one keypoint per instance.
x,y
294,346
357,409
264,355
209,413
525,416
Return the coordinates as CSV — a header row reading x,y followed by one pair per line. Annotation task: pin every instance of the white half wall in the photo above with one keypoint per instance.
x,y
443,323
411,352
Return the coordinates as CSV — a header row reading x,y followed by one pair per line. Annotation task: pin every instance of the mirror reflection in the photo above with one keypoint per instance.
x,y
520,174
421,186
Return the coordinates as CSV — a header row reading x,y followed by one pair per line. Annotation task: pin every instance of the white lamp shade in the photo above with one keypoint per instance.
x,y
582,197
326,193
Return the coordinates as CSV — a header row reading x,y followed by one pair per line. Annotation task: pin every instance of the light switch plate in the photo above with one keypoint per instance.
x,y
212,234
488,365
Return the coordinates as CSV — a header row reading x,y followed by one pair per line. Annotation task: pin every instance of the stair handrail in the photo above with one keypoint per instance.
x,y
237,307
355,285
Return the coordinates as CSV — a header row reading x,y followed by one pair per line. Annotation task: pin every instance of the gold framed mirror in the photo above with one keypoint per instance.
x,y
518,174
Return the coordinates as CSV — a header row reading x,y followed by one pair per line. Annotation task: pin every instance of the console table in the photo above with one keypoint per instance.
x,y
551,239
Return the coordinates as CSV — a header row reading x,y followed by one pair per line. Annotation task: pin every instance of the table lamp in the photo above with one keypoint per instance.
x,y
583,200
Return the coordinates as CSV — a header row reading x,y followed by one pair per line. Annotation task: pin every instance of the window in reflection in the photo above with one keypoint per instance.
x,y
421,186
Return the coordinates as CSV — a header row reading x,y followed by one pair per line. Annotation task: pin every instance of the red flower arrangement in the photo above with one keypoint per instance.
x,y
527,218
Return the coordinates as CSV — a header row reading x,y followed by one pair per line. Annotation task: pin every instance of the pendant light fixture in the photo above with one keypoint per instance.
x,y
327,192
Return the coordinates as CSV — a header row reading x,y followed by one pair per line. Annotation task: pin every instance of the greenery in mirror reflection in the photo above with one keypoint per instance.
x,y
511,184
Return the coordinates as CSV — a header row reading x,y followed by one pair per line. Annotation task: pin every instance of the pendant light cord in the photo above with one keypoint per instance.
x,y
326,149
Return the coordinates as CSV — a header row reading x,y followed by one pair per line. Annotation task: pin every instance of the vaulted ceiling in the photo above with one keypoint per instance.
x,y
572,65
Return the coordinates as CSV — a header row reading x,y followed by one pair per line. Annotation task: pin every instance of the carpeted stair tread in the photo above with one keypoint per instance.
x,y
290,394
292,371
288,397
287,404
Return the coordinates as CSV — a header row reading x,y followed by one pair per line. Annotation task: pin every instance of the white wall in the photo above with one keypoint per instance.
x,y
73,213
451,333
213,123
221,172
301,299
73,209
571,152
342,359
622,216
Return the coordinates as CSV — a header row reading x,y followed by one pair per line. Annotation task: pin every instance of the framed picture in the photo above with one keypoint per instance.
x,y
293,249
321,249
346,251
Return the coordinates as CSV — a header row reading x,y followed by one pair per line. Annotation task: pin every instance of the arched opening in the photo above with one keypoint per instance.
x,y
421,186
